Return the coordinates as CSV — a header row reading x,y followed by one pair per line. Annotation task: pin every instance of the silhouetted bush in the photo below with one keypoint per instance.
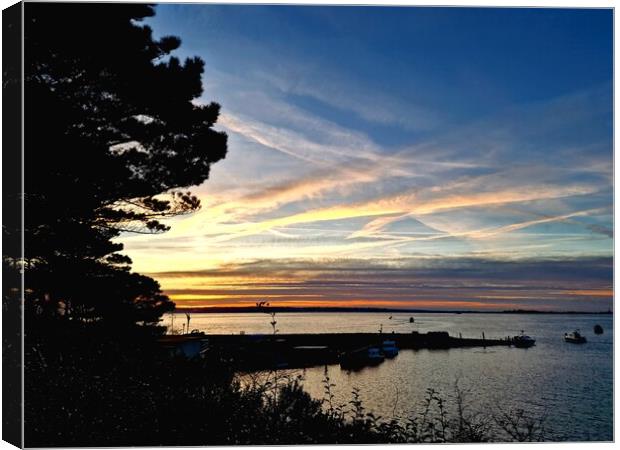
x,y
91,387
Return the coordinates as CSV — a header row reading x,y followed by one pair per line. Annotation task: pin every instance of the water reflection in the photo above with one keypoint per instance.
x,y
571,384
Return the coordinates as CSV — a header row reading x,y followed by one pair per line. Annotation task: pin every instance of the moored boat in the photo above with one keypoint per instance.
x,y
575,337
389,349
369,356
375,355
190,345
523,341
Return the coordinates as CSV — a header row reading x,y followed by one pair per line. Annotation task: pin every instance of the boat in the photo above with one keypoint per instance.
x,y
598,329
375,355
367,356
190,345
389,349
411,320
523,341
575,337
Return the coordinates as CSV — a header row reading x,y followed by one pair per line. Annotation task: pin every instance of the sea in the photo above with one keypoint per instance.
x,y
570,385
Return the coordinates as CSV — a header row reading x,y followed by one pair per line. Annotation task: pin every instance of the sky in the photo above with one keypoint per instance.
x,y
435,158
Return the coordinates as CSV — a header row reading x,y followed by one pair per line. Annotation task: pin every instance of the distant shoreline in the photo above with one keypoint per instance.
x,y
285,309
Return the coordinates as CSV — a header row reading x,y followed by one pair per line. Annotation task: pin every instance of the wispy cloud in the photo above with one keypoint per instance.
x,y
353,97
358,155
328,191
412,203
376,228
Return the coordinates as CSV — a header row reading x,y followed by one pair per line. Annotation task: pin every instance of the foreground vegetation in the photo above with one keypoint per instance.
x,y
123,391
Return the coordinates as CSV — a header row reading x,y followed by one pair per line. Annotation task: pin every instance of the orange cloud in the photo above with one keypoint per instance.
x,y
409,203
591,292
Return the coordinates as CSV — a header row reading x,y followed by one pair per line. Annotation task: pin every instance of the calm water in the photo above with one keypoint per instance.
x,y
571,384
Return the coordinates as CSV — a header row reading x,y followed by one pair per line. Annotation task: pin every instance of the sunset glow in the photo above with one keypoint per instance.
x,y
358,176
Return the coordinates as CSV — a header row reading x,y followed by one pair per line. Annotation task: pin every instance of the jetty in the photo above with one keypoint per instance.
x,y
269,351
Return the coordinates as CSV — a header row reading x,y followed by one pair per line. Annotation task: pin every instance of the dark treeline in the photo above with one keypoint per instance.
x,y
533,311
284,309
113,142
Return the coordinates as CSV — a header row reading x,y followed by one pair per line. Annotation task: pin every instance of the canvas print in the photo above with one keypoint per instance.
x,y
286,224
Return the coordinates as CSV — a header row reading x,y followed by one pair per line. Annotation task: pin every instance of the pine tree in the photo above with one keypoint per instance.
x,y
114,138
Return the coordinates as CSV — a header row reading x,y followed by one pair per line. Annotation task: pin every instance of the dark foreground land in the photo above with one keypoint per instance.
x,y
100,386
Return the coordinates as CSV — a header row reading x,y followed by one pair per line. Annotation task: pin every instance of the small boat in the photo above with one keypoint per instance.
x,y
575,337
389,349
375,355
598,329
190,345
370,356
523,341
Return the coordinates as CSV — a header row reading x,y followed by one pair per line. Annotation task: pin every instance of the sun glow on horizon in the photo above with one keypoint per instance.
x,y
345,187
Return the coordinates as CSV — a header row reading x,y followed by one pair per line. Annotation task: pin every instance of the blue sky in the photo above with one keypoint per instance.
x,y
410,139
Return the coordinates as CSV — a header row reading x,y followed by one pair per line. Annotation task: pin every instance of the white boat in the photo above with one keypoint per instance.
x,y
190,345
389,349
374,355
523,341
369,356
575,337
